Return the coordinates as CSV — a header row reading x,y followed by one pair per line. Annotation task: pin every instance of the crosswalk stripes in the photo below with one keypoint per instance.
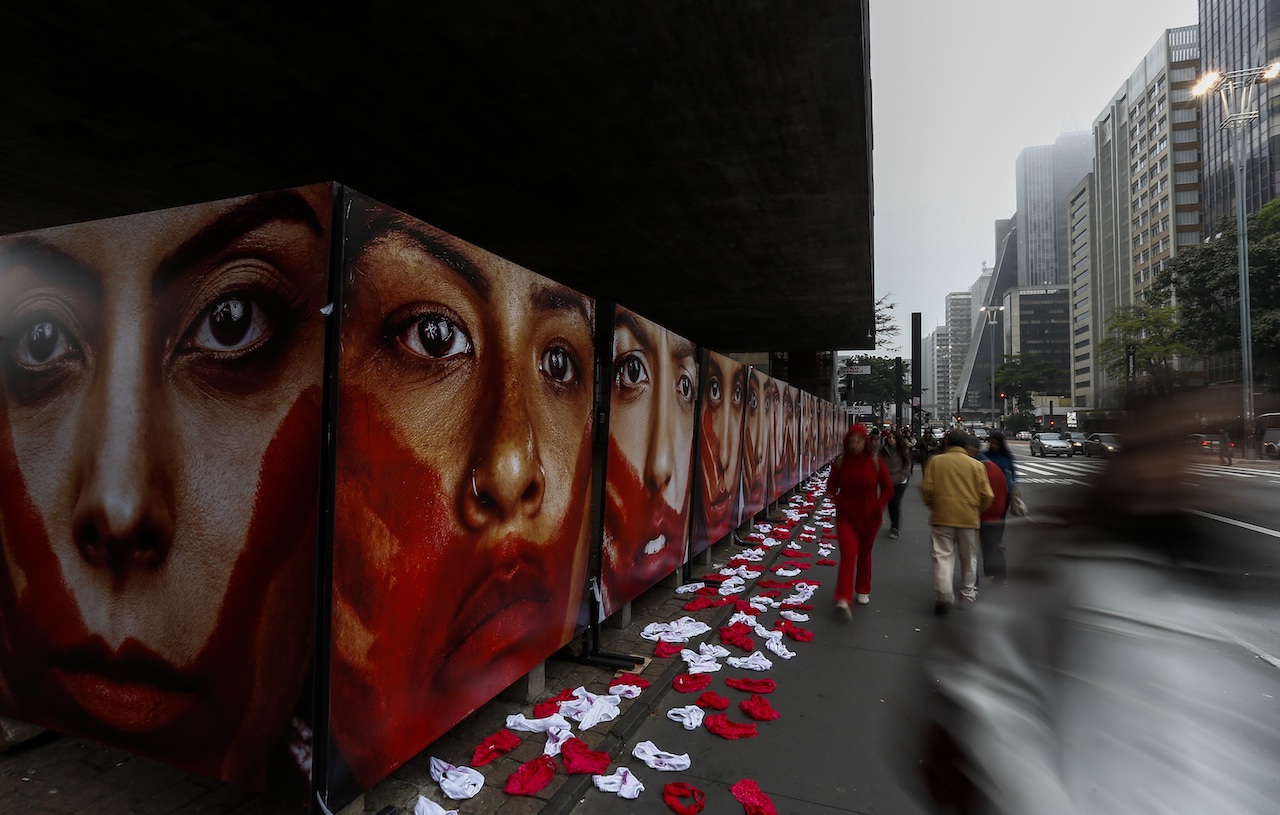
x,y
1066,470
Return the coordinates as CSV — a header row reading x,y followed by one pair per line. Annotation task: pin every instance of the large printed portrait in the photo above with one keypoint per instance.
x,y
724,391
787,466
809,435
159,478
755,441
649,470
464,470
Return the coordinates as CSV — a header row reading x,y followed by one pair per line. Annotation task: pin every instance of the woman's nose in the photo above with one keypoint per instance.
x,y
507,480
661,459
123,519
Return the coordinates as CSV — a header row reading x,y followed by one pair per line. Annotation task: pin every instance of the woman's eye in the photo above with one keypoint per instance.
x,y
630,372
42,343
558,366
737,393
435,336
753,402
231,324
713,389
684,387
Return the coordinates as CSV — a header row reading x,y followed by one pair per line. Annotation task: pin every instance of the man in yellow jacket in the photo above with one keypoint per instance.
x,y
956,490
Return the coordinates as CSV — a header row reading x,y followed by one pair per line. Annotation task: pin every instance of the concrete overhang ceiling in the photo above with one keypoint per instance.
x,y
706,164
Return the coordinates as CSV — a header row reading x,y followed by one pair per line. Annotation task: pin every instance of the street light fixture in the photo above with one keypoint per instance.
x,y
993,314
1237,89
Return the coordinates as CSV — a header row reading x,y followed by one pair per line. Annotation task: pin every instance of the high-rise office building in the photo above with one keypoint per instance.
x,y
1080,227
1238,35
1044,175
1145,201
959,333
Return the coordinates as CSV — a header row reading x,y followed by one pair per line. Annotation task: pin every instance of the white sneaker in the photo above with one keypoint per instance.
x,y
863,599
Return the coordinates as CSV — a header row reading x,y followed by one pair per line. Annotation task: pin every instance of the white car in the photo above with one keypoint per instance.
x,y
1024,435
1050,444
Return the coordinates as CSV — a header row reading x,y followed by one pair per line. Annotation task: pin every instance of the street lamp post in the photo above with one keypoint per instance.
x,y
993,314
1237,89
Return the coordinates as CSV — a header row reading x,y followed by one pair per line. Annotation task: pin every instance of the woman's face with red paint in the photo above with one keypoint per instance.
x,y
723,398
464,472
754,440
159,450
773,437
655,376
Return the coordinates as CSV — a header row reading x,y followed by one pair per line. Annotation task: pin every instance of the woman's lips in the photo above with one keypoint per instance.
x,y
131,690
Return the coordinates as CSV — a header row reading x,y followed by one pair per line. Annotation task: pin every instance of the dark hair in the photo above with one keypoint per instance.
x,y
958,438
996,435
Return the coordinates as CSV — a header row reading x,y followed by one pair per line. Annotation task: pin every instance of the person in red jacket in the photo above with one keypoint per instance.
x,y
861,488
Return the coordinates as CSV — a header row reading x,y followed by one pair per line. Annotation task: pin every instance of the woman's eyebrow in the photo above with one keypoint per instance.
x,y
439,247
286,205
51,262
553,297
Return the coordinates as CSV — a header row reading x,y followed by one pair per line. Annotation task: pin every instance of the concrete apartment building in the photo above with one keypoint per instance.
x,y
1044,174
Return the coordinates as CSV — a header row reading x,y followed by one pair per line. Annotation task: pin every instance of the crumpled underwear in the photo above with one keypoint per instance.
x,y
794,631
761,604
744,607
621,781
827,562
700,663
459,783
675,795
783,570
752,685
719,724
714,701
690,716
773,641
687,683
701,602
752,798
499,744
790,605
666,649
689,588
579,758
649,753
552,706
589,709
425,806
517,721
556,737
794,616
799,554
756,662
531,777
681,630
758,708
800,564
733,585
738,635
628,687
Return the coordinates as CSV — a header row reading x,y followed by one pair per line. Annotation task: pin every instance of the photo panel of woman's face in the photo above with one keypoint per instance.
x,y
724,386
773,438
754,441
648,475
788,424
159,454
464,471
810,434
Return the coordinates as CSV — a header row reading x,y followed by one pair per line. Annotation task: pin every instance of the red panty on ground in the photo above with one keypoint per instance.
x,y
531,777
752,685
579,758
719,724
758,708
714,701
499,744
752,798
675,795
691,683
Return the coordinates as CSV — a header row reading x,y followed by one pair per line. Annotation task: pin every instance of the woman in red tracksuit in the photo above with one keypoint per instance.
x,y
860,486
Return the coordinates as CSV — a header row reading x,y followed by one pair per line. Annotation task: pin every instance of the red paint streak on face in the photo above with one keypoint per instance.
x,y
69,678
715,492
452,617
752,474
634,516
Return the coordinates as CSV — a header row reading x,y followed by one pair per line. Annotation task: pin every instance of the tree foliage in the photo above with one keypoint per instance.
x,y
877,388
1153,331
1022,375
1203,281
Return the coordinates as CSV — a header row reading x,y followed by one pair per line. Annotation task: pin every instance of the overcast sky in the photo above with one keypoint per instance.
x,y
959,88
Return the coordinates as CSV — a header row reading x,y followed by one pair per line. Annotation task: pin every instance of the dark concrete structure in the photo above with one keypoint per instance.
x,y
705,164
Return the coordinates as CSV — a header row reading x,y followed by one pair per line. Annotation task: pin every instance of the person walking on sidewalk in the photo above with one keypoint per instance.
x,y
898,458
991,529
956,490
1224,447
860,487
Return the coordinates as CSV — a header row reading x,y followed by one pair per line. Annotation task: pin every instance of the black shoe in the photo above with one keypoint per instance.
x,y
941,609
893,533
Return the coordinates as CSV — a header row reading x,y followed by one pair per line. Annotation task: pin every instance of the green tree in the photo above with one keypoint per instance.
x,y
1022,375
1204,282
877,388
1152,329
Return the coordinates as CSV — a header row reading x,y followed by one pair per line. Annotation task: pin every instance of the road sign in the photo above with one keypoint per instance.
x,y
856,370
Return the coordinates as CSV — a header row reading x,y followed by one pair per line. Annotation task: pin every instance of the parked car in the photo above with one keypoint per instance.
x,y
1050,444
1024,435
1205,443
1102,445
1077,440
